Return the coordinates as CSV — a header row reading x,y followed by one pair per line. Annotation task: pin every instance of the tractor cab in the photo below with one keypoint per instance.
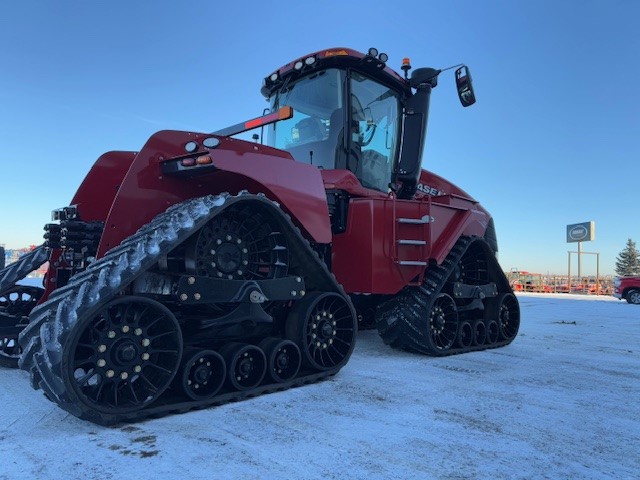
x,y
352,112
343,118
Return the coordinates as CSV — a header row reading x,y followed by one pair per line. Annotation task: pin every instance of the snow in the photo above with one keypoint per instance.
x,y
560,402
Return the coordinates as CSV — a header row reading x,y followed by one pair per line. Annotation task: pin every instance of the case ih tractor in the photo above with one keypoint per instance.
x,y
204,268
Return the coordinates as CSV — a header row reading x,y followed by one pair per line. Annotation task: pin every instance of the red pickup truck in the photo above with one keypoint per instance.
x,y
627,288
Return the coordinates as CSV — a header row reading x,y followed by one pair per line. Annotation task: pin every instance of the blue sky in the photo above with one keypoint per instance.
x,y
553,139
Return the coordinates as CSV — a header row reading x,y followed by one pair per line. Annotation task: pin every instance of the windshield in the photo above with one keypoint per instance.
x,y
315,133
311,135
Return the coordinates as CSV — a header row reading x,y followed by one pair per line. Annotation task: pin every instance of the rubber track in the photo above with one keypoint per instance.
x,y
403,322
52,321
19,269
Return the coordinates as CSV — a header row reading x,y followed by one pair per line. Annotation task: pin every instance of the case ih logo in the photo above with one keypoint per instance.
x,y
581,232
578,233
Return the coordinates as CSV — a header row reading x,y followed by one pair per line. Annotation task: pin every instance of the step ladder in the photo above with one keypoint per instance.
x,y
410,247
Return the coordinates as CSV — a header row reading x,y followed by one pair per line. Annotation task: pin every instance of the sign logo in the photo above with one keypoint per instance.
x,y
581,232
578,233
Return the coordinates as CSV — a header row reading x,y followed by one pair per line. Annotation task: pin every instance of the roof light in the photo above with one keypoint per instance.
x,y
204,160
310,60
188,162
211,142
191,147
274,77
298,65
373,52
333,53
383,57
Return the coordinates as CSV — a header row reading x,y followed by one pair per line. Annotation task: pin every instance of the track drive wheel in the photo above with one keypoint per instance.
x,y
443,323
283,358
202,373
123,357
323,325
246,365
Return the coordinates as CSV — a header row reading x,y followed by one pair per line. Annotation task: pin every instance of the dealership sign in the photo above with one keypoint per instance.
x,y
581,232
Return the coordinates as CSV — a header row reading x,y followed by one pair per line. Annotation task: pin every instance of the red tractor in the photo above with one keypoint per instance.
x,y
166,293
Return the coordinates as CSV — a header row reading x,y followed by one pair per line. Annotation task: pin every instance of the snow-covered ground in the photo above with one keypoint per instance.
x,y
562,401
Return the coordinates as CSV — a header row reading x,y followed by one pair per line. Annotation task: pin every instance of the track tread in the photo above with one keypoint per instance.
x,y
402,321
52,322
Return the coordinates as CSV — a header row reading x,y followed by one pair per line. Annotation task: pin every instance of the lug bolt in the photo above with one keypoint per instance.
x,y
137,369
244,262
146,342
110,373
102,348
138,331
183,297
293,293
228,238
219,274
302,293
124,375
213,252
102,362
298,279
196,296
238,241
213,264
244,250
219,242
191,280
111,334
239,272
145,356
125,329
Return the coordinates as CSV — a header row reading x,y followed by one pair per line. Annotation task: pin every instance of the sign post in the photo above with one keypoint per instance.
x,y
579,232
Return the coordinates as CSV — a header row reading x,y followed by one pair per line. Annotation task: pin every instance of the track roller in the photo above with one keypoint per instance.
x,y
202,373
493,332
246,365
479,333
283,358
465,335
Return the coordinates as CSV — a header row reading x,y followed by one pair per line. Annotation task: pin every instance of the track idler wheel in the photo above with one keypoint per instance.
x,y
124,356
443,323
203,373
479,333
246,365
465,335
283,358
506,311
323,325
16,302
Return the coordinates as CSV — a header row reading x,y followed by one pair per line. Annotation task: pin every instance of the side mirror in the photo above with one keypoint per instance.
x,y
465,88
